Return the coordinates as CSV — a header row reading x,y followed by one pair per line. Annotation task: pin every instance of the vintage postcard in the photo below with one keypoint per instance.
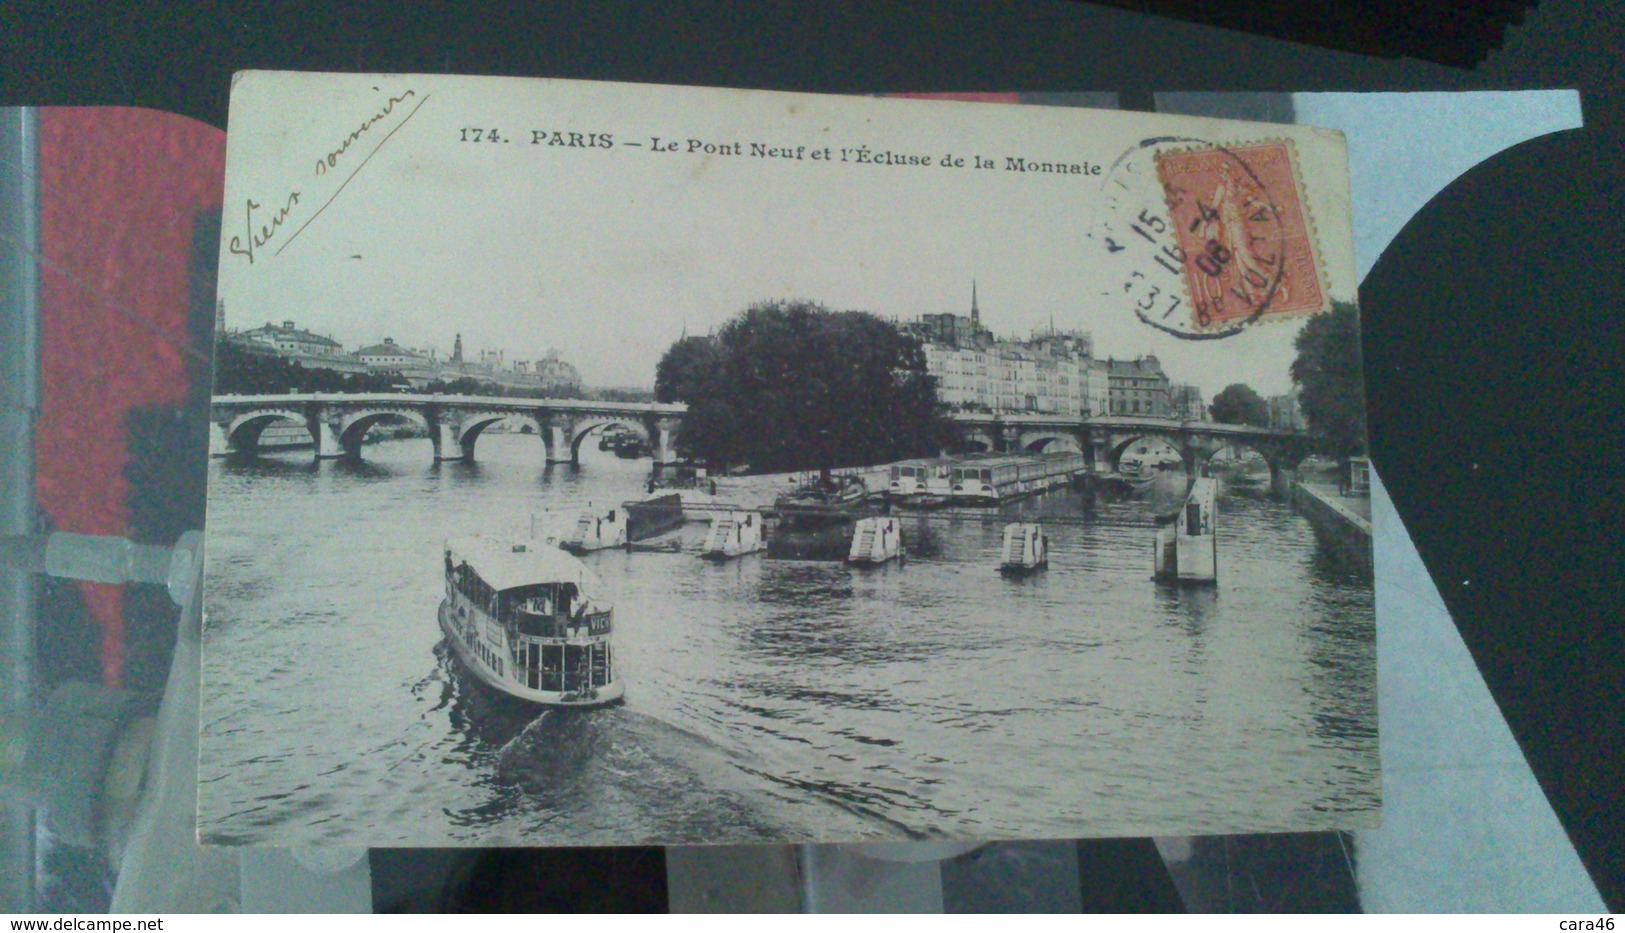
x,y
622,464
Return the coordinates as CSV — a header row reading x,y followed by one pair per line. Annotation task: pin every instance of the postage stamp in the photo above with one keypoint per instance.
x,y
1244,237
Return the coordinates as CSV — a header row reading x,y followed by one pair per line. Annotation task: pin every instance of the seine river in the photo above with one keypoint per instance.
x,y
770,700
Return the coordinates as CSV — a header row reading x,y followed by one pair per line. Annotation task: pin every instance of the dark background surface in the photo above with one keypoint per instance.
x,y
1492,325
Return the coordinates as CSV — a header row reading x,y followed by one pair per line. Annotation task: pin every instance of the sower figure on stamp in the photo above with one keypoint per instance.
x,y
1227,239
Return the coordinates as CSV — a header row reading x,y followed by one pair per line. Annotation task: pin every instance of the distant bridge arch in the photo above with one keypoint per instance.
x,y
242,433
351,427
1051,443
1104,438
1237,446
1118,450
457,440
582,428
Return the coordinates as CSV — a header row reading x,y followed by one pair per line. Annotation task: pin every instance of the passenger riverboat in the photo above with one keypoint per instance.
x,y
1000,479
530,621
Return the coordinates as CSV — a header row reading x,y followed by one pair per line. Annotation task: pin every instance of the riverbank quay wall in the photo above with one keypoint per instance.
x,y
1344,529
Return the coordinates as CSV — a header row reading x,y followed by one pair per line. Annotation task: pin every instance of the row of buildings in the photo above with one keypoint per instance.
x,y
1053,372
1057,372
414,367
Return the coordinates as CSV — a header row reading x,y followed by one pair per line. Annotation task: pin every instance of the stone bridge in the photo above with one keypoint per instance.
x,y
338,423
1104,438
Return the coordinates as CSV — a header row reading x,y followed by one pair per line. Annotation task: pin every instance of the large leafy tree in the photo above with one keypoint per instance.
x,y
1330,380
1239,404
684,369
795,386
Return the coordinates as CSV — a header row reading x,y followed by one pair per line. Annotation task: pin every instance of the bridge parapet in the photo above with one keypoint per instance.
x,y
338,422
1104,438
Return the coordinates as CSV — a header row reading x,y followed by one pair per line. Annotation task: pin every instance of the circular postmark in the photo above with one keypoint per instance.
x,y
1203,240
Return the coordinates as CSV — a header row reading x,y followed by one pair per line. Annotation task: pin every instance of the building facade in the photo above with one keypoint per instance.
x,y
308,349
289,340
1185,403
1286,412
416,367
1049,373
1138,387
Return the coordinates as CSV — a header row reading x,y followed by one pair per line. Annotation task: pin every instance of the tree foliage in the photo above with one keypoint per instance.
x,y
239,371
462,385
1330,380
794,386
623,394
1239,404
243,371
683,369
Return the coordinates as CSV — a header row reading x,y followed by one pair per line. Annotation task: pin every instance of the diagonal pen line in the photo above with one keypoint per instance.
x,y
358,168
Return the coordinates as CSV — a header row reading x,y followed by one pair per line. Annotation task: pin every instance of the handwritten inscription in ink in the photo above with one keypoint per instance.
x,y
254,239
331,161
262,227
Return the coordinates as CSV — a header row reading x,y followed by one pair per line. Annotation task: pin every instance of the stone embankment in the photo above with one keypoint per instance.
x,y
1344,522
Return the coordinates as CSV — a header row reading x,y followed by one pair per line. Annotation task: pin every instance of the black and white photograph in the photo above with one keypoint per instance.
x,y
603,464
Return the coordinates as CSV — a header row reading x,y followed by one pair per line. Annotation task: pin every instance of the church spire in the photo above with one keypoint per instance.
x,y
975,313
457,350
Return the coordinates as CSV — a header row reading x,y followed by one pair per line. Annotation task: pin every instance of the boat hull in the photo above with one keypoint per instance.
x,y
596,696
579,550
923,501
726,555
1022,570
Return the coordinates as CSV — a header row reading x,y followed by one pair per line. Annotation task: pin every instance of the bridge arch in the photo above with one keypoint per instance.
x,y
979,439
242,433
1051,442
1238,446
1118,446
475,423
589,425
352,426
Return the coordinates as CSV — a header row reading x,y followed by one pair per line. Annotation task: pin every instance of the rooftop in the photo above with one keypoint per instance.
x,y
507,564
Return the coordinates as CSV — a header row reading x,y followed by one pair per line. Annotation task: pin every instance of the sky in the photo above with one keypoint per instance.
x,y
608,253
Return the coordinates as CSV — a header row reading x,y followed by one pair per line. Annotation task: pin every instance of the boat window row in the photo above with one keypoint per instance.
x,y
468,629
901,470
564,668
1017,470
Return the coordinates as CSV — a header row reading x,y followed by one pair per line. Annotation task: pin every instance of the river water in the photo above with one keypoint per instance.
x,y
771,700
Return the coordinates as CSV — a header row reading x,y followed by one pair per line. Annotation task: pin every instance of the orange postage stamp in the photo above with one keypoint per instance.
x,y
1245,239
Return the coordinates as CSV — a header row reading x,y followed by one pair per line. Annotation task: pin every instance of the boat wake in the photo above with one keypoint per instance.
x,y
614,773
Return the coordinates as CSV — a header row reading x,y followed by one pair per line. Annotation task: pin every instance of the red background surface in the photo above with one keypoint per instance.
x,y
120,193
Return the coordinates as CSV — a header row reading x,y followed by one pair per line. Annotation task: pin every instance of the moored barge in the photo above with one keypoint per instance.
x,y
1000,479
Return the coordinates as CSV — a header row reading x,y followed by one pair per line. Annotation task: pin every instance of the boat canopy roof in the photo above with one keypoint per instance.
x,y
988,463
504,565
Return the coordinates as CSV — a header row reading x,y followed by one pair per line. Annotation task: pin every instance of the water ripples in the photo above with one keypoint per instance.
x,y
767,699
